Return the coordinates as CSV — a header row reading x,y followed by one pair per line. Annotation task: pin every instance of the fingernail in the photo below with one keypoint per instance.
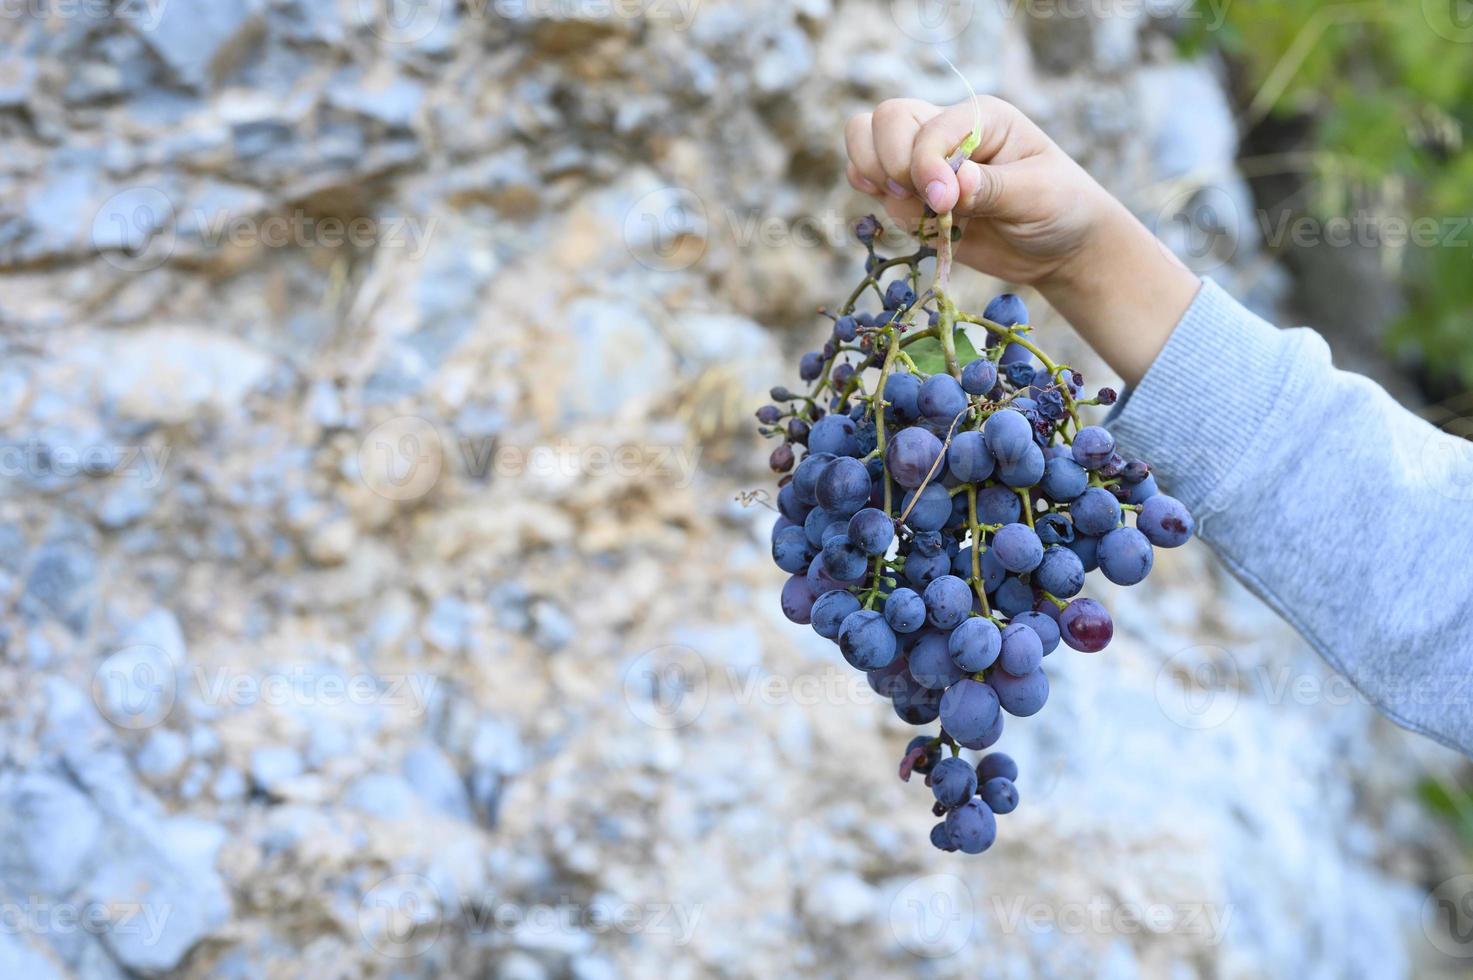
x,y
896,190
867,185
935,193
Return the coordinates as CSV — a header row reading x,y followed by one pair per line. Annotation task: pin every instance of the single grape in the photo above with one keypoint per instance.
x,y
968,709
905,610
1135,471
1000,795
910,456
844,561
1051,405
922,570
1020,696
1024,472
1006,310
1165,521
1063,479
968,458
993,574
941,838
948,600
990,737
1009,435
997,764
822,579
979,377
974,645
971,827
1019,374
942,397
834,434
769,414
1013,596
790,506
1017,547
844,486
810,366
1022,650
1060,573
1093,447
953,782
931,511
1054,528
1086,625
790,550
866,640
998,505
805,477
871,531
1142,491
1096,511
797,599
901,391
830,610
1125,556
928,542
931,664
899,295
798,431
846,328
1045,626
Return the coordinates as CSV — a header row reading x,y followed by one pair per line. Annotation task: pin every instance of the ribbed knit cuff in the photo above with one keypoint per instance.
x,y
1208,396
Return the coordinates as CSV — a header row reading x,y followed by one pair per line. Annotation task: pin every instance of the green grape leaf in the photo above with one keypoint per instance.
x,y
929,358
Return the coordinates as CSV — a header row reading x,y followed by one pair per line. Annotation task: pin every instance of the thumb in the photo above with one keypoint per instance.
x,y
930,170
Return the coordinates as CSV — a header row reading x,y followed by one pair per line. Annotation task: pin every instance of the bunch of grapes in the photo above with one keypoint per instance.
x,y
940,507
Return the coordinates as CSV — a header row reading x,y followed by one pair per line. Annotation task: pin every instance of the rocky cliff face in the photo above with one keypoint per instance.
x,y
376,399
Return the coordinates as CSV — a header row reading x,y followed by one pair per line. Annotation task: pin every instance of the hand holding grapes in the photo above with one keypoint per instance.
x,y
1031,215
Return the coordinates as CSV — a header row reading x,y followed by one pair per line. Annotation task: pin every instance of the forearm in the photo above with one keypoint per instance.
x,y
1124,293
1330,501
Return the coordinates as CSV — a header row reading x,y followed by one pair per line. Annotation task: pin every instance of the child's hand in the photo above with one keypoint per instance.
x,y
1026,208
1029,215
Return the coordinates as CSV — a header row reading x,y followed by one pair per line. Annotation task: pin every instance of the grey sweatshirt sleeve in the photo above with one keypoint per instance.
x,y
1346,513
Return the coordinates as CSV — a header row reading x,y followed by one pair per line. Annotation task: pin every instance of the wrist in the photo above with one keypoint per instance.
x,y
1123,290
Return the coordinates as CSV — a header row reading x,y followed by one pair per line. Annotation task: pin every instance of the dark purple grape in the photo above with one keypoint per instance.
x,y
1045,626
769,414
791,550
1096,511
834,434
953,782
1093,447
910,456
979,377
941,397
1165,521
871,530
968,458
1060,573
843,487
1017,547
1142,491
1021,651
968,709
931,664
1019,374
941,838
781,459
905,610
843,560
1026,471
975,644
1013,596
797,599
846,328
901,391
899,295
798,431
998,505
1063,479
1086,626
930,511
866,640
995,765
810,366
971,827
922,570
1000,795
830,611
1020,696
1125,556
948,601
1055,528
1009,435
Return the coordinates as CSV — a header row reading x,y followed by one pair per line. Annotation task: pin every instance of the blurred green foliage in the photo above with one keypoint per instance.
x,y
1387,86
1450,803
